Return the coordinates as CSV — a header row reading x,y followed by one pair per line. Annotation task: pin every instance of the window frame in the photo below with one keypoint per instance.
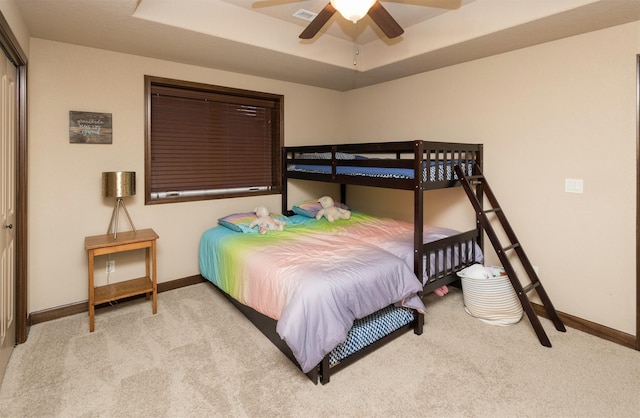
x,y
233,94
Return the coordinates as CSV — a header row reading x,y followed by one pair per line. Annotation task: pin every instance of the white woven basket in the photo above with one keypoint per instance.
x,y
492,300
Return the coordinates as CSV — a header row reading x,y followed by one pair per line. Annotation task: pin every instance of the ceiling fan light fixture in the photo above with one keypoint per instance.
x,y
353,10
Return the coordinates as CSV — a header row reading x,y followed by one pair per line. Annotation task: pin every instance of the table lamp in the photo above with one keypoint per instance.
x,y
118,184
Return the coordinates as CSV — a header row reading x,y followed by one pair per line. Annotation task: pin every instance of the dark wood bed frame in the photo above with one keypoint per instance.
x,y
408,154
322,372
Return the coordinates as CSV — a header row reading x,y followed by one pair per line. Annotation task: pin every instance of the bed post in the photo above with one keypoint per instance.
x,y
418,209
285,182
480,196
418,222
419,321
325,370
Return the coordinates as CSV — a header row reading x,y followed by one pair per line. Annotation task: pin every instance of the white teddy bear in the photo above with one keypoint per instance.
x,y
265,222
330,211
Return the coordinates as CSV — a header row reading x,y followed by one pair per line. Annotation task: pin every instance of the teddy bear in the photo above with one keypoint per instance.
x,y
265,222
330,211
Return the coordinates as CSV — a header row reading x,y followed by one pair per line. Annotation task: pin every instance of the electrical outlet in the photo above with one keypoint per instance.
x,y
111,266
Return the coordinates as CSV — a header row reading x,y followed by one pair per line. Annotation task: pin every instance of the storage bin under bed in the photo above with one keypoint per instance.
x,y
371,328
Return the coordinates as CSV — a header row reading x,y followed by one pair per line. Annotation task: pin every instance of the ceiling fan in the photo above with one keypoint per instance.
x,y
355,10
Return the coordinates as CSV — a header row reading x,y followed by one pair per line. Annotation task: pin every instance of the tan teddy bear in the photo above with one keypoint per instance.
x,y
330,211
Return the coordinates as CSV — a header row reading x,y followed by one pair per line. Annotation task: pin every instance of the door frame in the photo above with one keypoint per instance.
x,y
637,347
13,51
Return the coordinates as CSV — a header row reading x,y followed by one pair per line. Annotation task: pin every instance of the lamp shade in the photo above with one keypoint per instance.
x,y
118,183
352,10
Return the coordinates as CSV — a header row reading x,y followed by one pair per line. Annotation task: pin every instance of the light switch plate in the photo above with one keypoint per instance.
x,y
573,185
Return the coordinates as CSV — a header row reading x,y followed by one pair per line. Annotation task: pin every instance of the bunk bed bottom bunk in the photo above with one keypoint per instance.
x,y
438,252
367,335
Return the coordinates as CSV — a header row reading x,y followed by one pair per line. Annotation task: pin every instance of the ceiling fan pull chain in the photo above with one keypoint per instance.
x,y
356,49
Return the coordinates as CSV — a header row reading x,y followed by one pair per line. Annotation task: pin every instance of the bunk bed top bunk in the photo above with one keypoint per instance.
x,y
406,165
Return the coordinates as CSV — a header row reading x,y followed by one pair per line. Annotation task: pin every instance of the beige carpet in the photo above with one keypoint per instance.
x,y
200,357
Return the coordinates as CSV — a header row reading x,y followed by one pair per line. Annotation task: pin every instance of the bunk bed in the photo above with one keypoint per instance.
x,y
415,166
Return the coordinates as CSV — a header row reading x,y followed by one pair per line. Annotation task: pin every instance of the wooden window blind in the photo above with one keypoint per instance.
x,y
207,142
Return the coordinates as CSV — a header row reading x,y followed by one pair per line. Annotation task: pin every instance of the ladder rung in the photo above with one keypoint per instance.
x,y
475,177
528,288
511,247
492,210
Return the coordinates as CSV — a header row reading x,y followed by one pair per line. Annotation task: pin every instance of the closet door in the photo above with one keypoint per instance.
x,y
7,210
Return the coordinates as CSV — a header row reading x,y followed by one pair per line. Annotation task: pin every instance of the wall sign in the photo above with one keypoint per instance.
x,y
90,128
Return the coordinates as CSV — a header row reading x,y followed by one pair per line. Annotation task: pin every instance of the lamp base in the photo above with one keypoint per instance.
x,y
115,215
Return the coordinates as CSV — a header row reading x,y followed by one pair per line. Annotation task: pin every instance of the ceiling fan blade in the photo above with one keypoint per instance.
x,y
385,21
316,24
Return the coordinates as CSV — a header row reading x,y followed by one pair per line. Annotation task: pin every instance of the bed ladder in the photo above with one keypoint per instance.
x,y
478,180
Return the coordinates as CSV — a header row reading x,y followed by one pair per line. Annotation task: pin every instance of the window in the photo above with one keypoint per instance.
x,y
210,142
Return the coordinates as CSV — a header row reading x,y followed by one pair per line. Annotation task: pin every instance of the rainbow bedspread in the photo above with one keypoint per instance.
x,y
397,237
313,278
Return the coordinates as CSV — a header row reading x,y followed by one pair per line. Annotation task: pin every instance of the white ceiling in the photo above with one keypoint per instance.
x,y
260,37
406,12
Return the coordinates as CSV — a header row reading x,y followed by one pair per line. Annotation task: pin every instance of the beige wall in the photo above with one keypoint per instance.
x,y
560,110
9,10
65,202
565,109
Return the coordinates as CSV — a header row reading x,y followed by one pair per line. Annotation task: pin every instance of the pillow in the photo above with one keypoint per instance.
x,y
240,222
310,208
326,156
475,271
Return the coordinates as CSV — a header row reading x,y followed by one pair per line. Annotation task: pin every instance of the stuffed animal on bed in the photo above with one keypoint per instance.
x,y
330,211
265,222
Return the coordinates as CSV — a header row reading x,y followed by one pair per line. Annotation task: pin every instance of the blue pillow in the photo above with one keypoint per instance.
x,y
239,222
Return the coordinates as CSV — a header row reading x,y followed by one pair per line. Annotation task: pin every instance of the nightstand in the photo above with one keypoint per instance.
x,y
127,241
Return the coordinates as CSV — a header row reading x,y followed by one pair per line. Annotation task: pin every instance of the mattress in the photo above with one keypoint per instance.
x,y
367,330
431,171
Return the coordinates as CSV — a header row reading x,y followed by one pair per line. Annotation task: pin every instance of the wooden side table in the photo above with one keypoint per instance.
x,y
127,241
